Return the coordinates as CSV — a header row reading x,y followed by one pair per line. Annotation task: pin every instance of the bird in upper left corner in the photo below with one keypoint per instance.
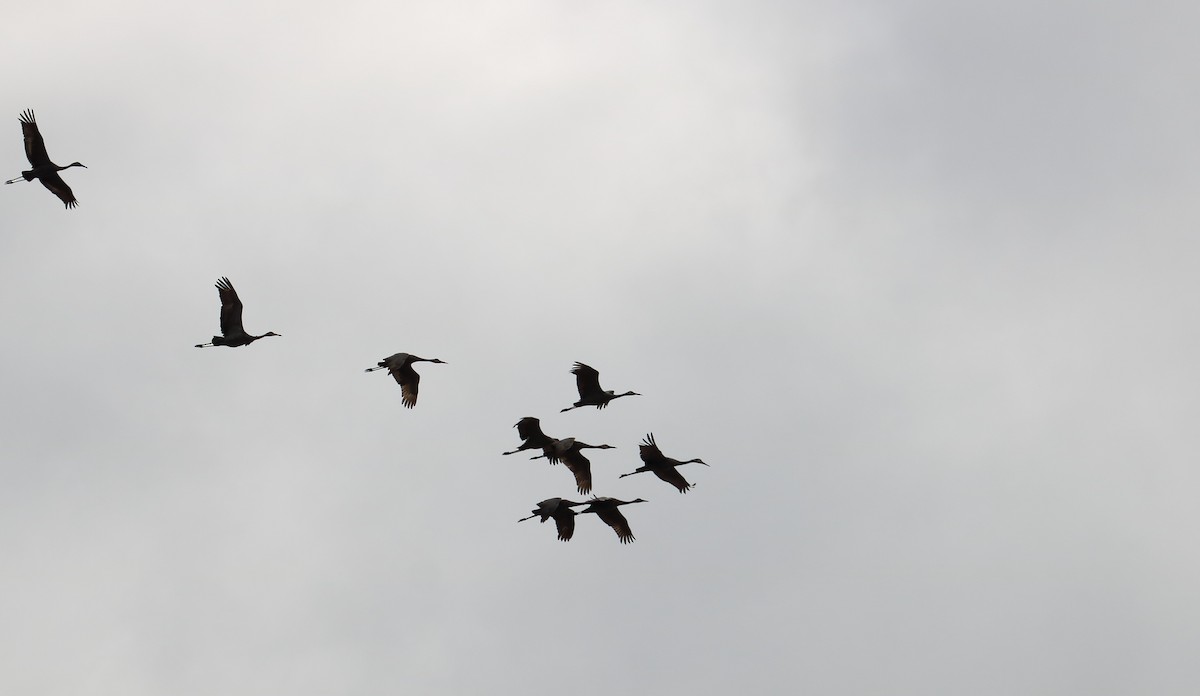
x,y
43,170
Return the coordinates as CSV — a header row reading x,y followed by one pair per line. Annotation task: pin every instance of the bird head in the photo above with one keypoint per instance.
x,y
75,164
270,333
696,461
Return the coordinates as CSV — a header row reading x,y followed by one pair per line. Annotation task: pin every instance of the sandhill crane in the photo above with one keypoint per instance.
x,y
560,510
400,366
43,169
569,451
530,430
587,380
606,510
232,333
662,465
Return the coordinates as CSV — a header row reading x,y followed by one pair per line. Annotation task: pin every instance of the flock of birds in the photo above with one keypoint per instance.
x,y
567,451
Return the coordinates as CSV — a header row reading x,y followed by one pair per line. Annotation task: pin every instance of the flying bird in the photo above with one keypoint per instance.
x,y
587,380
569,451
560,510
662,465
530,431
43,169
400,366
232,333
606,510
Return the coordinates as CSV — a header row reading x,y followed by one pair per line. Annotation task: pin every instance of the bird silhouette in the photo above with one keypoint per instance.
x,y
400,366
43,169
530,431
587,381
560,510
661,465
569,451
606,509
232,333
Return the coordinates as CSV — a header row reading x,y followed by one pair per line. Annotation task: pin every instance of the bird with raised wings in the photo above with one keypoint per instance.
x,y
587,381
560,510
43,169
606,509
661,465
400,367
232,333
530,431
569,451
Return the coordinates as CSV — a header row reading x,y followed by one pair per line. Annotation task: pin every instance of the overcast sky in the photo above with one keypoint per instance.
x,y
917,279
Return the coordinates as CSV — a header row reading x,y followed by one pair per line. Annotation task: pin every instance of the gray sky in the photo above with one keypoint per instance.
x,y
916,279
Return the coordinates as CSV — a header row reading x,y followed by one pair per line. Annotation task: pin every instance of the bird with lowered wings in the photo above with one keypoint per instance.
x,y
661,465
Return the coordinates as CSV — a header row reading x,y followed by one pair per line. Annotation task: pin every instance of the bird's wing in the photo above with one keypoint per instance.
x,y
565,520
35,147
231,309
587,379
394,363
529,427
58,187
672,476
649,451
617,521
581,467
409,381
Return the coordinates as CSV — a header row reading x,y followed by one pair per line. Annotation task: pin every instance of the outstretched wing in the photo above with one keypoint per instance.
x,y
581,467
587,379
231,309
409,382
617,521
530,430
649,451
672,476
58,187
565,520
35,147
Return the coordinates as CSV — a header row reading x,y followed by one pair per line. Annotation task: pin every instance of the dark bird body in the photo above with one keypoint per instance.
x,y
43,169
606,510
661,465
400,367
530,431
569,451
560,510
587,381
232,333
